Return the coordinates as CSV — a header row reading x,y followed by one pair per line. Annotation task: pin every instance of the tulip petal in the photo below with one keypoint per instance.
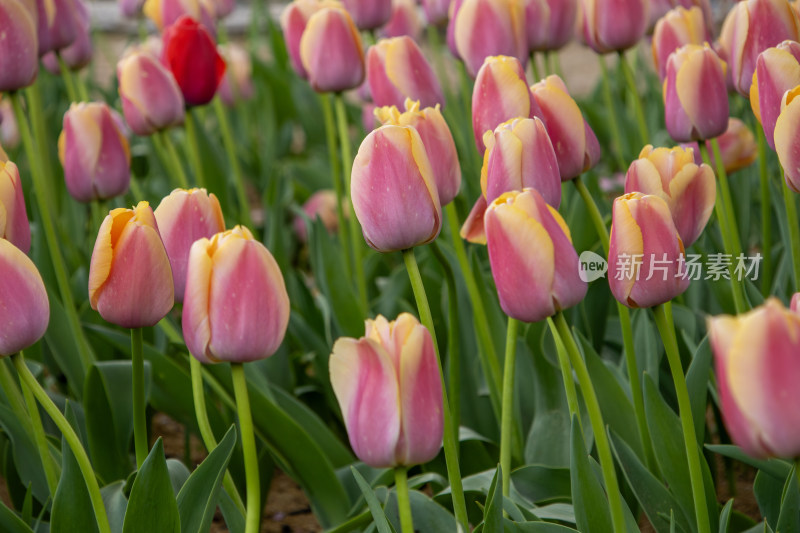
x,y
24,306
473,228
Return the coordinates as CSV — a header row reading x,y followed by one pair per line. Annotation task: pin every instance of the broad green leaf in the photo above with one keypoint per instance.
x,y
152,506
725,517
588,498
697,382
542,484
493,512
551,417
429,516
25,453
116,504
535,527
10,522
178,474
234,519
789,517
777,468
197,500
378,515
59,340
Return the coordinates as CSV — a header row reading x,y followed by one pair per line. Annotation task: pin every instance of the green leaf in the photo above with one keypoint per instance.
x,y
197,500
697,382
429,516
64,350
25,453
588,498
725,517
230,512
777,468
378,515
551,417
541,484
152,506
10,522
789,517
493,512
116,504
535,527
178,474
768,492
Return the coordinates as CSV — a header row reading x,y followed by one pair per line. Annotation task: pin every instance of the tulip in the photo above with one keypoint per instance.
x,y
500,25
795,305
689,189
737,146
293,23
613,25
236,307
130,280
436,11
751,27
184,217
554,26
368,120
787,140
756,356
396,70
191,55
777,71
534,265
438,141
393,190
19,61
94,153
501,93
388,387
24,307
56,26
14,226
165,13
369,14
322,205
455,5
679,27
695,94
78,54
151,98
331,51
9,129
646,252
659,8
405,21
577,149
237,84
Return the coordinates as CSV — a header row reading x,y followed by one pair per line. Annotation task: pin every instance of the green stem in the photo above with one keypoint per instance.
x,y
566,374
594,212
41,193
403,500
66,75
536,78
40,438
253,519
613,122
633,93
193,147
508,403
794,230
355,234
450,437
727,198
206,432
666,327
176,167
80,87
230,148
139,404
40,134
74,443
336,177
596,419
766,214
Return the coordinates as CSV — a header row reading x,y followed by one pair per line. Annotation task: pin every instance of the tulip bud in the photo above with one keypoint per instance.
x,y
455,5
534,265
393,190
679,27
756,356
659,8
751,27
165,13
151,98
777,71
130,280
577,149
787,139
322,205
94,153
24,307
237,84
396,70
14,226
737,146
331,51
55,25
646,255
501,93
293,23
500,25
9,129
236,307
689,190
191,55
390,392
695,94
184,217
78,54
795,305
405,21
613,25
19,61
438,141
369,14
436,11
550,24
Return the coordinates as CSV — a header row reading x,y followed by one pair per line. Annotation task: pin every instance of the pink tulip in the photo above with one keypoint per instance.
x,y
131,9
534,265
613,25
78,54
405,21
294,19
322,205
369,14
388,387
436,11
455,5
787,139
9,129
56,25
737,146
795,305
678,28
237,84
19,61
24,307
756,356
393,190
151,98
331,51
14,225
559,22
777,71
130,280
396,70
659,8
500,25
236,307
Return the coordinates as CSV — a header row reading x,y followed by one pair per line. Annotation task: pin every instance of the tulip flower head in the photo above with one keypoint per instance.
x,y
737,146
500,25
131,8
24,307
237,84
19,62
94,153
405,21
393,190
679,27
294,19
437,12
236,307
787,140
322,205
191,55
78,54
56,26
689,189
795,304
331,51
438,141
613,25
165,13
397,69
14,225
550,24
777,71
369,14
130,280
390,392
646,254
757,357
659,8
534,265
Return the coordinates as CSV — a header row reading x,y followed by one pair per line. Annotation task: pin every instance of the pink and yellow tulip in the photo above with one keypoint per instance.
x,y
19,62
500,25
14,225
331,51
777,71
677,28
405,21
613,25
369,14
397,69
550,24
24,306
787,139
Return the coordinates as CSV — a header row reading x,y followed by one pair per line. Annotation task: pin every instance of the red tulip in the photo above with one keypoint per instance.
x,y
192,56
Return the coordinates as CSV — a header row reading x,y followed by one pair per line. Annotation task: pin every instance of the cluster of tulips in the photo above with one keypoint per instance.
x,y
530,161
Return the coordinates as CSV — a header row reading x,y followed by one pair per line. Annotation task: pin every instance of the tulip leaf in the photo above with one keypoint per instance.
x,y
25,453
429,516
493,512
542,484
152,505
10,522
589,500
697,382
116,504
777,468
378,515
725,517
197,499
58,338
233,517
535,527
